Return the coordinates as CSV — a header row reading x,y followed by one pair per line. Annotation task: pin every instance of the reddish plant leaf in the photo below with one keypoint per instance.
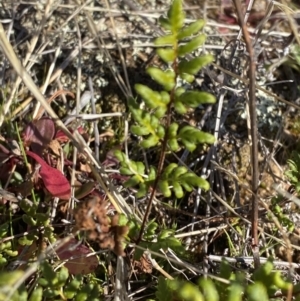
x,y
55,182
7,167
62,137
4,150
38,134
76,254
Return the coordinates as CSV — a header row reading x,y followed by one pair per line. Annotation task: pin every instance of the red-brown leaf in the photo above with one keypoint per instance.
x,y
39,133
80,263
55,182
62,137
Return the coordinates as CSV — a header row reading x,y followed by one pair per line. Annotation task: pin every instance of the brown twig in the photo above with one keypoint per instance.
x,y
56,94
159,171
253,132
161,159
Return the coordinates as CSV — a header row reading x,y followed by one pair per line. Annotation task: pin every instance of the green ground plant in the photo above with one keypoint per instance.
x,y
263,286
158,124
293,173
156,127
154,122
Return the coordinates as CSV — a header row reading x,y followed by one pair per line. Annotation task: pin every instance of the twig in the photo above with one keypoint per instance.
x,y
49,73
183,264
96,130
157,266
120,51
246,82
253,131
41,110
58,71
32,45
249,260
201,232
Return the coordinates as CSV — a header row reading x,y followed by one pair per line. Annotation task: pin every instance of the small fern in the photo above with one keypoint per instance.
x,y
154,240
293,173
154,125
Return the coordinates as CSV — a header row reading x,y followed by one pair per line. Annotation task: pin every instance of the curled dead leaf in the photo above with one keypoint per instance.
x,y
38,134
78,261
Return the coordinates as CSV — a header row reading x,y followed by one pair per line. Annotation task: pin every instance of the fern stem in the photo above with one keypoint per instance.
x,y
163,150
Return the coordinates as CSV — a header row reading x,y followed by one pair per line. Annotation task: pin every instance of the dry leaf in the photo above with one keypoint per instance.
x,y
78,263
